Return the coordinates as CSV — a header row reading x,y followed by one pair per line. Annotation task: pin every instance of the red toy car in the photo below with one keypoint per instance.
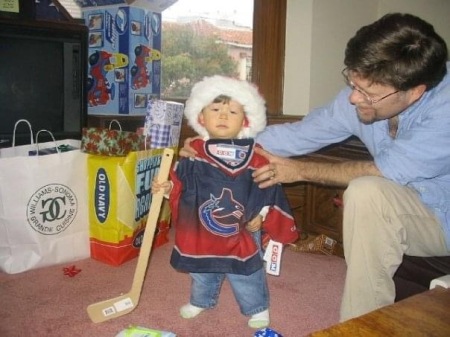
x,y
140,76
100,91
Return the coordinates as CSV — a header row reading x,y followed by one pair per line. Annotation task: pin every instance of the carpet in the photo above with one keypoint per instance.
x,y
45,302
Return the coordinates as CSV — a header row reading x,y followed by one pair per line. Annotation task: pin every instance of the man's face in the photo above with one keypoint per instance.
x,y
374,102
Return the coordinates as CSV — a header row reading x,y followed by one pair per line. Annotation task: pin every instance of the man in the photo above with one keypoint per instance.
x,y
398,103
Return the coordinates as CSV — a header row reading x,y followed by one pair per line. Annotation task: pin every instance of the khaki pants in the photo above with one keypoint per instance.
x,y
382,221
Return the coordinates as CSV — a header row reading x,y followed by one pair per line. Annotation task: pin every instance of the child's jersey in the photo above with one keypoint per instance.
x,y
213,199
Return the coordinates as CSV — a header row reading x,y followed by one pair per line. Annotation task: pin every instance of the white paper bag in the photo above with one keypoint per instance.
x,y
43,210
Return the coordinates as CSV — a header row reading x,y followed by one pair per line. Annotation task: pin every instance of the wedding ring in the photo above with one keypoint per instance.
x,y
273,174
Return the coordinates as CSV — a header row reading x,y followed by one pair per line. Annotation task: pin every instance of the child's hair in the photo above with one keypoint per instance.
x,y
224,89
222,99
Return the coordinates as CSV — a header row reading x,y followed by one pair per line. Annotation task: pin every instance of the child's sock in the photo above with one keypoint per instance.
x,y
259,320
190,311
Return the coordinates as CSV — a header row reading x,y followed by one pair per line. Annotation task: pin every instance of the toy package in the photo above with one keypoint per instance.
x,y
124,59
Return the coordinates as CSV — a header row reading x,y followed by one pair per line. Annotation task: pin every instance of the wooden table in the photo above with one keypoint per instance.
x,y
425,314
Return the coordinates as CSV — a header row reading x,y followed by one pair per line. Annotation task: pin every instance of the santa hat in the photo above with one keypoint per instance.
x,y
204,92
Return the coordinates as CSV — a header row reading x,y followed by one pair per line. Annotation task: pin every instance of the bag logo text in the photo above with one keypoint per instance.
x,y
101,196
51,209
146,170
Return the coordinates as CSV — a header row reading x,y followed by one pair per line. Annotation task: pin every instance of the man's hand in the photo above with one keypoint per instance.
x,y
284,170
187,150
279,170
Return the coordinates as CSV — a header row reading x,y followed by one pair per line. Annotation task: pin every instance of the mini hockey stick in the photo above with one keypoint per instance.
x,y
123,304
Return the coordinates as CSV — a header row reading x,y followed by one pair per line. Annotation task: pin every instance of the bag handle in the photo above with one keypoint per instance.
x,y
51,135
115,121
14,132
147,141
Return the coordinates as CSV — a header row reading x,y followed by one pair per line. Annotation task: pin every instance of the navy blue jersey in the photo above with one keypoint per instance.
x,y
213,199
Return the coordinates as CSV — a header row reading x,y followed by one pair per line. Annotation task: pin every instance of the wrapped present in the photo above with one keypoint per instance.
x,y
111,142
163,123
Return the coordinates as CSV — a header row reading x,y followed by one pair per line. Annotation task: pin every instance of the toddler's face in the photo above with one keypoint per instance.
x,y
223,120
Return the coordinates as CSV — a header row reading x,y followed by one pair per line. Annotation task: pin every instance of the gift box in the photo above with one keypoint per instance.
x,y
152,5
163,123
124,57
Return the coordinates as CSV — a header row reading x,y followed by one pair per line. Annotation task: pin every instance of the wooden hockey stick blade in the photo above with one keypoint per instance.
x,y
123,304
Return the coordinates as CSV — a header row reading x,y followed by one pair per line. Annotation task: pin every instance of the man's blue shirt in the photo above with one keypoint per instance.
x,y
418,157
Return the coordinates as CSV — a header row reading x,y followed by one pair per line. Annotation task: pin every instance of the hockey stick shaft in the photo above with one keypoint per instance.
x,y
123,304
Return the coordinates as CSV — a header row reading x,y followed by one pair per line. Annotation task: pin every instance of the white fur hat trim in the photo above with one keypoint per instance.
x,y
204,92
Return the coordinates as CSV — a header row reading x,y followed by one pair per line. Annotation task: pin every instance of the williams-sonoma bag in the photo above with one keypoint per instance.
x,y
43,209
119,201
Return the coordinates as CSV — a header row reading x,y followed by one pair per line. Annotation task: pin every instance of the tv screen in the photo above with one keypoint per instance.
x,y
43,71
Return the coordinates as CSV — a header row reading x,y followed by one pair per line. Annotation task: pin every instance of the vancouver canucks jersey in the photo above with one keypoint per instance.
x,y
213,199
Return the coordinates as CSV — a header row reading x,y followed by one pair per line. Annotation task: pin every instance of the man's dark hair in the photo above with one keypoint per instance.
x,y
400,50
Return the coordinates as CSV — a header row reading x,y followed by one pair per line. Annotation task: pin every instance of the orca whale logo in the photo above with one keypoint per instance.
x,y
221,215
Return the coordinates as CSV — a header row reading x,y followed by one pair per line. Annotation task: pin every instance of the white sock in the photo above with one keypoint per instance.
x,y
190,311
259,320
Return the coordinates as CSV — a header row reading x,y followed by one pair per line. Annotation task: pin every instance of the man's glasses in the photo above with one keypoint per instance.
x,y
368,99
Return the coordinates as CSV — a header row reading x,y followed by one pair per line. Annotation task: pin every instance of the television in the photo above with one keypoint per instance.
x,y
43,72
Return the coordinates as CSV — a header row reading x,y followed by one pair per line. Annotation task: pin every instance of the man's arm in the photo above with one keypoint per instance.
x,y
340,173
285,170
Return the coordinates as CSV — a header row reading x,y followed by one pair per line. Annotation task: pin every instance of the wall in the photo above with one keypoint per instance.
x,y
317,32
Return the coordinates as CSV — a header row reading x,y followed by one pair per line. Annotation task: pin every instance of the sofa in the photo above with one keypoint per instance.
x,y
415,274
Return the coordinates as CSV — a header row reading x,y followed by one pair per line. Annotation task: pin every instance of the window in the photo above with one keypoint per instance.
x,y
203,39
267,54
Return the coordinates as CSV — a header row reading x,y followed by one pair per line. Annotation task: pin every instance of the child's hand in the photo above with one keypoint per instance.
x,y
255,224
165,186
188,151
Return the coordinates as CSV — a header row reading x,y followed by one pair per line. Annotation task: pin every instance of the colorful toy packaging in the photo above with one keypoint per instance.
x,y
124,59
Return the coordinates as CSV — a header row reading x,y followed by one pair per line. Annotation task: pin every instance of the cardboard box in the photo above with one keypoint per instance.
x,y
163,123
124,59
151,5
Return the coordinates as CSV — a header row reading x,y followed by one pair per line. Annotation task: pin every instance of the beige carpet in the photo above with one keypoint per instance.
x,y
47,303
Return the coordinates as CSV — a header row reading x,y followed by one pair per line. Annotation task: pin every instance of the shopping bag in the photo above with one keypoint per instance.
x,y
43,209
119,200
111,142
32,148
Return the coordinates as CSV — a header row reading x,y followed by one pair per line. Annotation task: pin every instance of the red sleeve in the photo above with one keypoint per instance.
x,y
280,226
